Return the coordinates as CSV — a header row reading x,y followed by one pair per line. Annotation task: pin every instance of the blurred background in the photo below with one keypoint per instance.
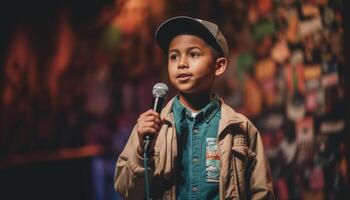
x,y
76,74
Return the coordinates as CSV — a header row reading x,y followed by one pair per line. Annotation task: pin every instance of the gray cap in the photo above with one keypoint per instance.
x,y
206,30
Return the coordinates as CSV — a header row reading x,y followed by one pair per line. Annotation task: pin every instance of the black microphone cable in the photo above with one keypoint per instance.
x,y
147,187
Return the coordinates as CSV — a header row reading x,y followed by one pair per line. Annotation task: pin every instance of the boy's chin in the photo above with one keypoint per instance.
x,y
185,89
192,92
189,89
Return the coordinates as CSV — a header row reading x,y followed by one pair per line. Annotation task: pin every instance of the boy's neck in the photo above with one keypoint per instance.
x,y
195,102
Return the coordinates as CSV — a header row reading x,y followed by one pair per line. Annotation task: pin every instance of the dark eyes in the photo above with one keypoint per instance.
x,y
173,56
176,56
194,54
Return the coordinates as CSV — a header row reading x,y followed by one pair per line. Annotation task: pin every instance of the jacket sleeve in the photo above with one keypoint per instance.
x,y
261,186
129,176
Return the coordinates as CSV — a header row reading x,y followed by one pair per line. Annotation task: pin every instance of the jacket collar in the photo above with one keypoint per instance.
x,y
167,110
228,115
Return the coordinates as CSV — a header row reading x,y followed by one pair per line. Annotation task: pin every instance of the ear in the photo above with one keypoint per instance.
x,y
220,66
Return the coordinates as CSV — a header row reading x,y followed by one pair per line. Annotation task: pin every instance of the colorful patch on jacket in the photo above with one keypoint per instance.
x,y
212,160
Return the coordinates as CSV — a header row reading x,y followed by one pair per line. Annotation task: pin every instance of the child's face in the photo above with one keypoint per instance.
x,y
191,64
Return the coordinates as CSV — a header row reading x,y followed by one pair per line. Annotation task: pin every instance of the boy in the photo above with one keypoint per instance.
x,y
202,148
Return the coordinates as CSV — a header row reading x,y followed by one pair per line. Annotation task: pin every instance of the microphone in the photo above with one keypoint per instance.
x,y
159,91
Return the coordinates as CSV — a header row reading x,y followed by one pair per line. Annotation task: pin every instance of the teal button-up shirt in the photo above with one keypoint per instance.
x,y
198,158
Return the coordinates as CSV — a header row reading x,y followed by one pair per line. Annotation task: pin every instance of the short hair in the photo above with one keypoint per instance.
x,y
216,53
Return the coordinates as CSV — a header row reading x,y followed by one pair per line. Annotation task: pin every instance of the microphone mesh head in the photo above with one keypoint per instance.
x,y
160,90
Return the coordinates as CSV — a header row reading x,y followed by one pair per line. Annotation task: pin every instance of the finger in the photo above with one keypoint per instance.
x,y
150,112
150,124
152,118
148,119
147,131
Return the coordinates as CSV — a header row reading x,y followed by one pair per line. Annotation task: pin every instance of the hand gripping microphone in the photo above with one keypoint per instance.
x,y
160,91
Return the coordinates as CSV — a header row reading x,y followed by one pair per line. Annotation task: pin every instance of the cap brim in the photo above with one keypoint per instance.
x,y
182,25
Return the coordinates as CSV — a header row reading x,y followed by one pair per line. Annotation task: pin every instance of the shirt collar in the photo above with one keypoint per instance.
x,y
207,113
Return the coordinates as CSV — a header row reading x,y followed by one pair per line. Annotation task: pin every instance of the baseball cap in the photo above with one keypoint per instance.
x,y
206,30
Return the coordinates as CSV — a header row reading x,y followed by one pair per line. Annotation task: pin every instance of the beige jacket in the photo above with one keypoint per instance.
x,y
244,174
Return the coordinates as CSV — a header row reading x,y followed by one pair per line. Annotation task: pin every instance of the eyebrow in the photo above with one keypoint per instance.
x,y
187,49
173,50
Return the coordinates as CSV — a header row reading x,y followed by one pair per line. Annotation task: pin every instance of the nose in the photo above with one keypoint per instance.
x,y
182,63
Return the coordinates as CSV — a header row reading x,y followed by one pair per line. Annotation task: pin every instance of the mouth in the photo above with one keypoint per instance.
x,y
183,77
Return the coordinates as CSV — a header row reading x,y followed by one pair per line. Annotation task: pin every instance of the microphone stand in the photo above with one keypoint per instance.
x,y
157,106
159,92
147,187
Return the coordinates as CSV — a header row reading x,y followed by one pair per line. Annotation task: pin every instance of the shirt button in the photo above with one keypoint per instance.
x,y
195,130
194,188
195,160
